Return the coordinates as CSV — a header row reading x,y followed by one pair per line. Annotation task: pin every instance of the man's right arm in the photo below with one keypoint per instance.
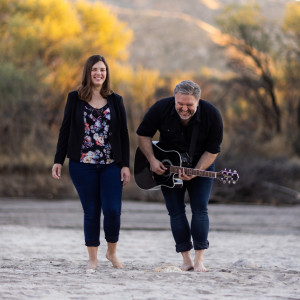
x,y
145,144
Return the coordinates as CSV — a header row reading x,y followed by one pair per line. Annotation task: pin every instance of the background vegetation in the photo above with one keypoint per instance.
x,y
44,43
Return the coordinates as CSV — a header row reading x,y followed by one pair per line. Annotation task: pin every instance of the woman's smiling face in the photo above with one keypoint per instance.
x,y
98,73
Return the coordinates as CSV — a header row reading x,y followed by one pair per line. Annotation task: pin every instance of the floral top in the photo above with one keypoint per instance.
x,y
96,148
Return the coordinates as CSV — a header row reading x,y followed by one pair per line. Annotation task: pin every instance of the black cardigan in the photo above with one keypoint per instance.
x,y
71,133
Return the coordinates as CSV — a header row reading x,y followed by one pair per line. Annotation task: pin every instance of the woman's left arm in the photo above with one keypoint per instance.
x,y
125,175
125,171
124,134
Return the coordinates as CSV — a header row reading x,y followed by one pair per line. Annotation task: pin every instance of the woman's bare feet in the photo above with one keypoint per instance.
x,y
92,265
93,261
111,255
199,266
187,261
114,260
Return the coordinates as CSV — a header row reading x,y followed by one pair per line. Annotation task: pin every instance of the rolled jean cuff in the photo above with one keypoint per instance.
x,y
112,239
92,243
201,245
184,247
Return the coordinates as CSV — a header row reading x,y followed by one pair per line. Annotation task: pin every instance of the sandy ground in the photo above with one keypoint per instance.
x,y
254,254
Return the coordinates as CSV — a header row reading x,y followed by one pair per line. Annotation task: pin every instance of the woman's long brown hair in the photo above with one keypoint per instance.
x,y
85,91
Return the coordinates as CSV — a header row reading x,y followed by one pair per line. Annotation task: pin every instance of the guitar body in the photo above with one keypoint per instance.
x,y
146,179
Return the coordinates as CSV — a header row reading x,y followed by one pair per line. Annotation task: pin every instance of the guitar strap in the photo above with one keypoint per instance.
x,y
193,142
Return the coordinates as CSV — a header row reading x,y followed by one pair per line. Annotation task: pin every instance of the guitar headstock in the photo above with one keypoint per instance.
x,y
228,176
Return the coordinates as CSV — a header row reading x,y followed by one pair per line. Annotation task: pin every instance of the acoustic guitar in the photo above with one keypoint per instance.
x,y
173,161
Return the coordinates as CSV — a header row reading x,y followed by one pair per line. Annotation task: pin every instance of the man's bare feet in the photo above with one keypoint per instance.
x,y
187,267
187,261
199,267
114,260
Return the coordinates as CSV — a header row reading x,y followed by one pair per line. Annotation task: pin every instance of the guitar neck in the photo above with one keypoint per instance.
x,y
189,171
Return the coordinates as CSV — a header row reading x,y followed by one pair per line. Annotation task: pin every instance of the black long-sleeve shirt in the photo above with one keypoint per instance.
x,y
72,130
163,117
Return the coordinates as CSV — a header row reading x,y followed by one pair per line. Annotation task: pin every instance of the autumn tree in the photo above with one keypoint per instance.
x,y
251,46
291,70
43,45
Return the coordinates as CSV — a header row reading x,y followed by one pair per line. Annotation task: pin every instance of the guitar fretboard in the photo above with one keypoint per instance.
x,y
189,171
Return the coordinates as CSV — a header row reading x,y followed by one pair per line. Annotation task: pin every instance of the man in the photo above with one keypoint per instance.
x,y
191,125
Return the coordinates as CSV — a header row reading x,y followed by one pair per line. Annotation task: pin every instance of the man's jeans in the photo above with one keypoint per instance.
x,y
199,189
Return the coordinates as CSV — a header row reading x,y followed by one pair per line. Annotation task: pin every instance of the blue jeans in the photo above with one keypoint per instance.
x,y
199,189
99,187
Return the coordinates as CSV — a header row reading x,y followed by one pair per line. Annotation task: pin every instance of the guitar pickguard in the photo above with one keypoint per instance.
x,y
168,158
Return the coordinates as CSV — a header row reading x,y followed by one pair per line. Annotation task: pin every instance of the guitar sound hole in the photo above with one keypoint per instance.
x,y
167,163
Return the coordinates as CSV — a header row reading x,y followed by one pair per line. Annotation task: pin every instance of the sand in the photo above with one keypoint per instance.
x,y
254,254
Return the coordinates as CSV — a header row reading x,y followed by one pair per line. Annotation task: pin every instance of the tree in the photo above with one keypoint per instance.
x,y
43,45
291,70
250,47
58,36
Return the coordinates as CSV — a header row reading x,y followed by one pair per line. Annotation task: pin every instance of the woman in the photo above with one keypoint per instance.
x,y
94,137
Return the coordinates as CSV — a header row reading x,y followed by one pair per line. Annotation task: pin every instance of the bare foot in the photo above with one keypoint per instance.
x,y
114,260
92,264
199,267
187,267
187,261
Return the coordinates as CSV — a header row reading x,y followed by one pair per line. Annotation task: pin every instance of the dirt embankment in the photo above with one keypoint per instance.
x,y
273,182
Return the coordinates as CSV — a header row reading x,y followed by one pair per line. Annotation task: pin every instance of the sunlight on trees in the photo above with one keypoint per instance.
x,y
139,91
48,41
291,21
266,61
143,87
291,71
251,57
60,35
174,79
44,44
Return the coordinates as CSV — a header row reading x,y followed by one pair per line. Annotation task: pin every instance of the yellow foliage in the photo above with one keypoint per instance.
x,y
55,19
210,73
102,30
239,109
292,17
243,104
144,85
60,35
39,26
247,15
122,74
180,76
